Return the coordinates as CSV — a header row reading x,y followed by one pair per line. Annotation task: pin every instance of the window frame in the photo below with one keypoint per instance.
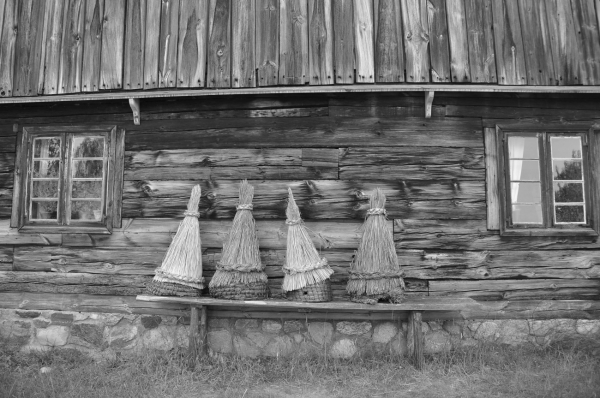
x,y
112,180
589,145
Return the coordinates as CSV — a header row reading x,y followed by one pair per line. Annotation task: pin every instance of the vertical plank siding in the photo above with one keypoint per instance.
x,y
219,44
267,42
320,42
293,42
92,45
71,46
343,36
192,43
113,33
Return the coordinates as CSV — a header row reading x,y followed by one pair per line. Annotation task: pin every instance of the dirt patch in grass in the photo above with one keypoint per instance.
x,y
566,370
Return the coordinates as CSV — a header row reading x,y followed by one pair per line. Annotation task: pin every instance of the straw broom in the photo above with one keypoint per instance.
x,y
183,262
375,270
303,266
240,261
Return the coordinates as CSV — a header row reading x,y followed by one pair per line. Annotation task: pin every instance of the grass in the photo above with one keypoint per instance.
x,y
561,370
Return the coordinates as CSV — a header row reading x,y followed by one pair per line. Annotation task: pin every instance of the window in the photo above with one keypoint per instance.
x,y
545,184
69,179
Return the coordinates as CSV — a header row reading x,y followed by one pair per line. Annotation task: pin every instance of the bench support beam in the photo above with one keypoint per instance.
x,y
197,343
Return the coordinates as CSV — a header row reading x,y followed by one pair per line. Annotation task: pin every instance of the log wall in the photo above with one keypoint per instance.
x,y
60,47
332,151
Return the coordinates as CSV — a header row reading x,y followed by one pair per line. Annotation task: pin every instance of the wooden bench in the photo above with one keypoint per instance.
x,y
414,306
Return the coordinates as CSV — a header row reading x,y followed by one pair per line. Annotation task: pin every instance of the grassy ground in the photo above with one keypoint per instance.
x,y
567,370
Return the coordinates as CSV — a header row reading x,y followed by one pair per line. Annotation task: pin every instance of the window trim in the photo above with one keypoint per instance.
x,y
591,185
114,180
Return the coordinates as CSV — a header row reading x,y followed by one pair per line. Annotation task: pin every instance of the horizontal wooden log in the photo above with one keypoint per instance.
x,y
492,241
423,173
306,132
212,164
469,158
385,111
7,162
514,112
74,283
452,227
317,199
6,258
10,236
518,289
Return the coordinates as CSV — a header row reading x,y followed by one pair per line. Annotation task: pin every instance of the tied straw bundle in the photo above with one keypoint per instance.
x,y
375,271
183,262
240,262
303,265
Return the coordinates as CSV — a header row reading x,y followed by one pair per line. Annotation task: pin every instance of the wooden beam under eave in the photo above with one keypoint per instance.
x,y
428,103
134,103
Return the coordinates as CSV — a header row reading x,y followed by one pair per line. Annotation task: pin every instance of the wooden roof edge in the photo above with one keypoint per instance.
x,y
275,90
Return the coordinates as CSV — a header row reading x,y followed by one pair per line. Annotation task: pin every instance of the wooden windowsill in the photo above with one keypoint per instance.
x,y
64,229
550,232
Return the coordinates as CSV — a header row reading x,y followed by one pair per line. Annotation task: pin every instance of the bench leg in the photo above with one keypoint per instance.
x,y
415,338
194,336
203,327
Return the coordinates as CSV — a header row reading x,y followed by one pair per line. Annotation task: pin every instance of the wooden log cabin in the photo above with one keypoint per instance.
x,y
478,118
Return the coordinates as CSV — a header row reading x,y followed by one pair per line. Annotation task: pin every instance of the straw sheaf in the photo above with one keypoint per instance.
x,y
303,265
240,260
375,269
183,261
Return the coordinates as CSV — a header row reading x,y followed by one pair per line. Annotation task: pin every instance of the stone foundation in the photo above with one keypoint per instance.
x,y
102,336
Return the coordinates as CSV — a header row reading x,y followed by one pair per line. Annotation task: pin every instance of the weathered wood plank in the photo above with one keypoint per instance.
x,y
317,199
267,42
389,41
363,41
508,39
71,50
320,42
458,40
192,44
73,283
28,55
10,236
586,25
243,63
151,44
482,60
343,41
16,215
403,172
469,158
8,34
113,32
540,69
92,45
515,113
438,35
311,132
565,48
168,39
190,164
293,42
492,173
389,111
2,8
135,37
416,40
6,258
55,8
219,44
518,289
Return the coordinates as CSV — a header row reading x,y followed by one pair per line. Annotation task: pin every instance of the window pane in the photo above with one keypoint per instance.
x,y
566,147
45,189
527,214
570,214
568,192
528,170
44,210
84,210
525,192
87,189
46,147
87,168
46,168
88,147
523,147
567,170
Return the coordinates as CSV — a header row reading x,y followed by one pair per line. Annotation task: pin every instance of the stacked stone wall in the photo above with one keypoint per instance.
x,y
104,336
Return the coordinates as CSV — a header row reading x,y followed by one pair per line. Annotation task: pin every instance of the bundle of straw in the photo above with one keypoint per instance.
x,y
240,262
375,271
303,265
182,264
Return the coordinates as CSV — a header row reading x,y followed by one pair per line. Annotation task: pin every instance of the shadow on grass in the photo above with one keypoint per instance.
x,y
568,369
